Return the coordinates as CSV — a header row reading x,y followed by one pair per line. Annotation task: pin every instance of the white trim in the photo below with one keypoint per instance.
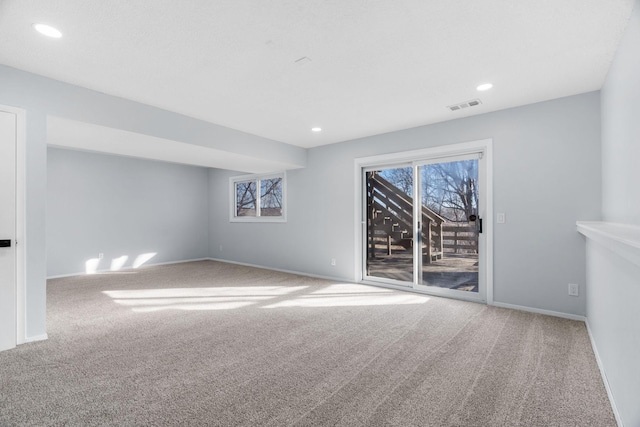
x,y
35,338
488,217
441,151
21,309
392,165
417,227
105,271
360,224
257,177
281,270
540,311
476,155
484,146
614,408
399,284
424,290
450,293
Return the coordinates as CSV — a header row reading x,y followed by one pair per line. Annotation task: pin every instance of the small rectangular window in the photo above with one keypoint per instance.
x,y
258,198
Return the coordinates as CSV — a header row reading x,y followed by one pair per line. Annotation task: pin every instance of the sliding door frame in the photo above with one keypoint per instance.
x,y
485,147
479,296
363,255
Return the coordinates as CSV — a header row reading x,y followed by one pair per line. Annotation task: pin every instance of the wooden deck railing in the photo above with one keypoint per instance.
x,y
388,201
391,214
460,237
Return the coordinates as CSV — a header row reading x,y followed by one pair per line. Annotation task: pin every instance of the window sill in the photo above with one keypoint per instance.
x,y
258,219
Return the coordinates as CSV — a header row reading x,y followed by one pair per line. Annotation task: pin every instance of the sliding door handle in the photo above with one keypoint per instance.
x,y
5,243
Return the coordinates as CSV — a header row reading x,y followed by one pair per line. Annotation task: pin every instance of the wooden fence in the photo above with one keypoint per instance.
x,y
459,238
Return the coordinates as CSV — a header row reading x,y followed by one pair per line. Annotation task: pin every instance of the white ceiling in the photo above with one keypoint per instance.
x,y
376,65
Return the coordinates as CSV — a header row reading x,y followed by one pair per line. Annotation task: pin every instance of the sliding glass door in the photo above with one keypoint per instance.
x,y
433,244
389,253
450,225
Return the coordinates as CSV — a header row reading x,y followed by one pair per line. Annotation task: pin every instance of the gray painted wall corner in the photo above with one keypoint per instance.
x,y
124,208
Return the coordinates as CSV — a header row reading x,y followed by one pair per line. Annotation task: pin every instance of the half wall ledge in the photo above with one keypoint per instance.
x,y
623,239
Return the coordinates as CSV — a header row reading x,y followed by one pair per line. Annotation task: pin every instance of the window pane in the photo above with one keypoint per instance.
x,y
449,227
246,198
390,224
271,197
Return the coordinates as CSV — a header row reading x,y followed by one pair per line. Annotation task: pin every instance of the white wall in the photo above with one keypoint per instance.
x,y
613,283
41,97
546,176
613,294
121,206
621,129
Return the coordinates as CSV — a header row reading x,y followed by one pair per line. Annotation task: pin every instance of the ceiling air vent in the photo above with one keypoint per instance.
x,y
464,105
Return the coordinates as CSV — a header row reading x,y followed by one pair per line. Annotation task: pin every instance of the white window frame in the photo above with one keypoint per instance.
x,y
256,177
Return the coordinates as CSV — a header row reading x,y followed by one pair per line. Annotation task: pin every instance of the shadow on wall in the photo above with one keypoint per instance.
x,y
92,266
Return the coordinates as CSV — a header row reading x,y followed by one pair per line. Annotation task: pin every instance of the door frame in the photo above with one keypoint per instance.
x,y
485,146
20,245
479,296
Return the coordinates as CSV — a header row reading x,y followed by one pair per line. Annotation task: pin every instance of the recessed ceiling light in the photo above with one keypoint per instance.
x,y
484,86
316,129
47,30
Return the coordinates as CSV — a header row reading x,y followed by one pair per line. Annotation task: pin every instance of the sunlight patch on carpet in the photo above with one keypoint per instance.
x,y
214,298
233,297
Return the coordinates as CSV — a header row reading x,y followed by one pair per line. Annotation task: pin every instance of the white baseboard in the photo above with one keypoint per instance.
x,y
604,376
540,311
84,273
35,338
299,273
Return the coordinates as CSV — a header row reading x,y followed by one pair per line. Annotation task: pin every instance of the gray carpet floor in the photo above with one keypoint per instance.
x,y
207,343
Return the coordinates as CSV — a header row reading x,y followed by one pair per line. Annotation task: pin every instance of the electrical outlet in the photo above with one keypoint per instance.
x,y
100,255
574,289
333,261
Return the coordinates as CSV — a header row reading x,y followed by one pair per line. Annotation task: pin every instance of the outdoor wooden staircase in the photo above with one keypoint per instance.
x,y
390,220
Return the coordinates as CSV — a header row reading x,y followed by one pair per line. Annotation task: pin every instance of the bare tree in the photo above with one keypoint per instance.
x,y
270,193
452,189
245,198
271,196
401,178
